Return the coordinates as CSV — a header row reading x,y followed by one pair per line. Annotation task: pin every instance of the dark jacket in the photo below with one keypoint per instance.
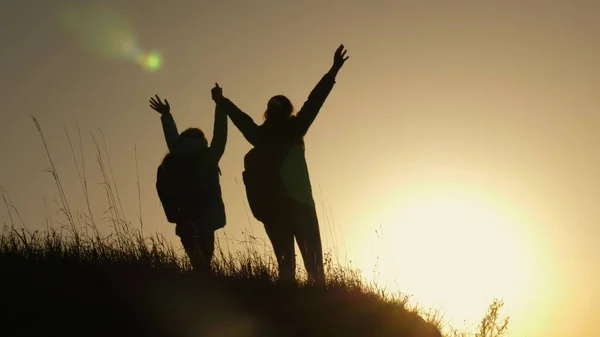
x,y
286,136
212,214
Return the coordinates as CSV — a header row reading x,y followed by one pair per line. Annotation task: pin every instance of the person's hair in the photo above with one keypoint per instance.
x,y
279,108
194,133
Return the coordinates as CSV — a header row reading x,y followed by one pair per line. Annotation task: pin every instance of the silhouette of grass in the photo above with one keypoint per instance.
x,y
71,280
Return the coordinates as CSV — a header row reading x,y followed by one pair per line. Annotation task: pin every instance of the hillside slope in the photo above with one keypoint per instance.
x,y
56,288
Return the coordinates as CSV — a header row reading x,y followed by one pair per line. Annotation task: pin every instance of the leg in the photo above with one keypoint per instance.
x,y
306,231
282,239
200,247
193,249
207,242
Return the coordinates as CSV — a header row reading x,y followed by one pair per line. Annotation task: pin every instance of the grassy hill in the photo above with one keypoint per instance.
x,y
73,284
127,285
73,281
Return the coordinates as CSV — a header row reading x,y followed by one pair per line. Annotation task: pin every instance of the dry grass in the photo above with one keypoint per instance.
x,y
82,274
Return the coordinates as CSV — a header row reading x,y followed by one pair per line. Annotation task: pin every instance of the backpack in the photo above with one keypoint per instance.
x,y
262,178
188,186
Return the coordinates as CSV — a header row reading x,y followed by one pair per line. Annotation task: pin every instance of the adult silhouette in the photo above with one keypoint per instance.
x,y
276,174
188,182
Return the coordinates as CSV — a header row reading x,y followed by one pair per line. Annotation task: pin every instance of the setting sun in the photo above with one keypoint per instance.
x,y
454,249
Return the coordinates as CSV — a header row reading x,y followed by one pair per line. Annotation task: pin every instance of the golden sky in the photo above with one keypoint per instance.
x,y
456,154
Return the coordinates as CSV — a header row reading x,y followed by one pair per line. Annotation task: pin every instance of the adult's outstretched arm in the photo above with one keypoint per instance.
x,y
311,107
240,119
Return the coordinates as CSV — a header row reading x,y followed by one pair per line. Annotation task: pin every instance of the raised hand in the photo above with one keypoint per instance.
x,y
340,57
157,105
216,93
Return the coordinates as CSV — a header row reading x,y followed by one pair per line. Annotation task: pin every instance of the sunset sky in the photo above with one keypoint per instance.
x,y
455,160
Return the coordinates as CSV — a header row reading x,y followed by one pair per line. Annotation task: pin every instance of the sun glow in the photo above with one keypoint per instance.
x,y
453,251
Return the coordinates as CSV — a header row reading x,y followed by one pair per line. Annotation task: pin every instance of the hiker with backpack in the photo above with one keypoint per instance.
x,y
276,175
188,182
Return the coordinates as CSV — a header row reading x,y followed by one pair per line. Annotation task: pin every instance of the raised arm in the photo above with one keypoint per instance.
x,y
311,107
240,119
167,120
217,145
169,130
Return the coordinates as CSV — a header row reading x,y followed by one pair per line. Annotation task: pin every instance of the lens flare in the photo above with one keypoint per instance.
x,y
153,61
109,34
150,61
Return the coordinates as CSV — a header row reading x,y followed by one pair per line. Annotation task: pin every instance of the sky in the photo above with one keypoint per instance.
x,y
455,159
